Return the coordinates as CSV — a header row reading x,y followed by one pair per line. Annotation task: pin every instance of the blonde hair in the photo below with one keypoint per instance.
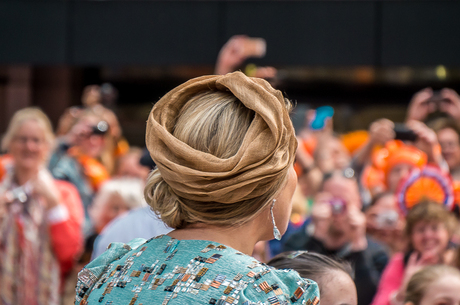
x,y
214,122
129,190
421,280
24,115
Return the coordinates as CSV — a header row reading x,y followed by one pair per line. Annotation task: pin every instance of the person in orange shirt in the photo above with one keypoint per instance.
x,y
76,159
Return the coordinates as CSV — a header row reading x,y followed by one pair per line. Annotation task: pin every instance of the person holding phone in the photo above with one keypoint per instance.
x,y
429,228
426,102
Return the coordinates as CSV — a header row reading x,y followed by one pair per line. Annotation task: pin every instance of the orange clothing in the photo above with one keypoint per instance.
x,y
383,160
66,236
95,172
5,160
354,140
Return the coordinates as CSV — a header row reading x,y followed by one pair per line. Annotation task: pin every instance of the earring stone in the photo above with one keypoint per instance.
x,y
276,232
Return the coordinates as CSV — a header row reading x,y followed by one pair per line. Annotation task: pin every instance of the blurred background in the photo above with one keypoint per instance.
x,y
364,58
95,68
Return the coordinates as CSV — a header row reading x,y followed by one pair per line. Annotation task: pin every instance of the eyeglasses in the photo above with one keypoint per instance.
x,y
24,140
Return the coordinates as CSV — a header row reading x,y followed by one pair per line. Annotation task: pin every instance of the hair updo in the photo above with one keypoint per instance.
x,y
214,122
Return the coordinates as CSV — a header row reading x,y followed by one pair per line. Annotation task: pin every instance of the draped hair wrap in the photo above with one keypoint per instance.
x,y
267,150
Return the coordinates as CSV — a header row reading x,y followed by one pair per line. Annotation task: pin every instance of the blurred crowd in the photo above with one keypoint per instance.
x,y
386,200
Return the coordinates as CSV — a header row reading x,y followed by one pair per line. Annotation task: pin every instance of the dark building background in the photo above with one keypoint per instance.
x,y
366,58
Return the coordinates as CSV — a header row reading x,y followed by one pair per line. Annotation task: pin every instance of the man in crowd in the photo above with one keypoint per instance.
x,y
337,228
448,132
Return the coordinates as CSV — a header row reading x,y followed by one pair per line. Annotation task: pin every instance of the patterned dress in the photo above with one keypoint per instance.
x,y
164,270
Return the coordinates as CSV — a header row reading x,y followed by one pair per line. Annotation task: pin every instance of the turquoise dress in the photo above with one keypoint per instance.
x,y
164,270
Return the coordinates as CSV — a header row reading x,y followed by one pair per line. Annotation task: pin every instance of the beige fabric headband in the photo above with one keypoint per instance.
x,y
267,149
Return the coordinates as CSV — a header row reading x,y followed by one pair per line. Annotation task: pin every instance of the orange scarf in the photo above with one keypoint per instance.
x,y
94,171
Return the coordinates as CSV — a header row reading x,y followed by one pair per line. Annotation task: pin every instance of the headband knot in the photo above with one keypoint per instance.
x,y
267,150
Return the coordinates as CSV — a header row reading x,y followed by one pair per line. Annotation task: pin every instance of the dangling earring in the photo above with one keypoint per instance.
x,y
276,232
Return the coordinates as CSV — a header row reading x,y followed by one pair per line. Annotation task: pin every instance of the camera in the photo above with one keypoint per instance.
x,y
403,133
101,128
338,206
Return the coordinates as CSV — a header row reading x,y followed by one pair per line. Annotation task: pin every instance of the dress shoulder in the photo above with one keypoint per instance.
x,y
92,272
164,271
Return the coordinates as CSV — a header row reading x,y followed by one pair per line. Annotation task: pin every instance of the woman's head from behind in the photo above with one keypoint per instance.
x,y
224,146
429,227
29,138
334,278
434,285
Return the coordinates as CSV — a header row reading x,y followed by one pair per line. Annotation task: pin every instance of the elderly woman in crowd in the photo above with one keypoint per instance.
x,y
429,228
40,218
116,197
224,147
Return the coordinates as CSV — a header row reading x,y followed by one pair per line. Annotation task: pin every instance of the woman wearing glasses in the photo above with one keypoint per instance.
x,y
40,218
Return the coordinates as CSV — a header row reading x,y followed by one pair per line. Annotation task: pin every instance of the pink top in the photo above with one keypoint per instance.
x,y
390,281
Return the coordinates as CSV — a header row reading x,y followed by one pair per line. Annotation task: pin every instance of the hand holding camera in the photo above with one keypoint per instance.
x,y
419,106
321,215
43,186
381,131
450,103
357,222
428,101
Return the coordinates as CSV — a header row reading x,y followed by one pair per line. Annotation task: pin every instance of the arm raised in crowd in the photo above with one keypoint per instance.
x,y
419,107
380,132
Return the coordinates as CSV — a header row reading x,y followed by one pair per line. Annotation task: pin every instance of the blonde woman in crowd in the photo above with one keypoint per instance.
x,y
40,218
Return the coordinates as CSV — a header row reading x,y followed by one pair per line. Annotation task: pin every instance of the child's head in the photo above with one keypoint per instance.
x,y
334,278
434,285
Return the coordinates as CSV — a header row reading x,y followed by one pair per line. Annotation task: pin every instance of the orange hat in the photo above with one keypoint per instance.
x,y
2,171
383,160
396,152
298,169
457,192
409,155
354,140
309,145
427,183
373,177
